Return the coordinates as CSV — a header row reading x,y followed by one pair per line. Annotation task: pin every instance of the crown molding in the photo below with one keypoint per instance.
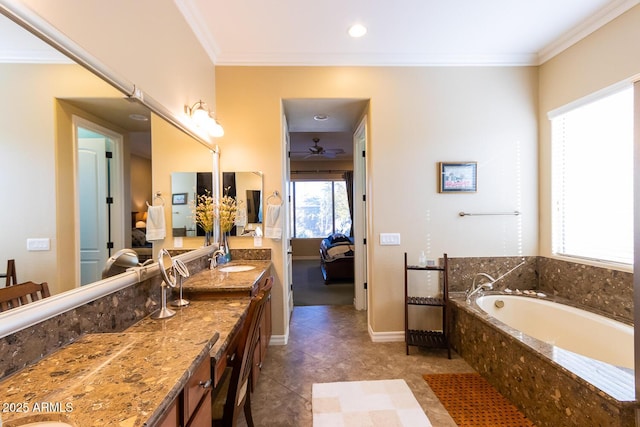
x,y
595,22
192,15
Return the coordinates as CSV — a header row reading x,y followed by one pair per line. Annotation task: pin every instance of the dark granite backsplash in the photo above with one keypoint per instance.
x,y
463,270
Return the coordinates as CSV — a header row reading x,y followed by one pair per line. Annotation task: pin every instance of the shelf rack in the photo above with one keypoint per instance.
x,y
427,338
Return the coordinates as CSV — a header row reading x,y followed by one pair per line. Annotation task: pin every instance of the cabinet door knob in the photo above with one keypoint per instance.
x,y
205,384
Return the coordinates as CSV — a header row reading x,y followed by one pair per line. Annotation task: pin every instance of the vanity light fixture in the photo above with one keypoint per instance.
x,y
357,30
203,119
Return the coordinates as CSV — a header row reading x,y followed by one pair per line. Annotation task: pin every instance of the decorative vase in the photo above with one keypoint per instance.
x,y
207,238
224,246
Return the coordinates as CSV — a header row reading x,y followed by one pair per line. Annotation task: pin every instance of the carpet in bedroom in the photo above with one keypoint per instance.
x,y
309,287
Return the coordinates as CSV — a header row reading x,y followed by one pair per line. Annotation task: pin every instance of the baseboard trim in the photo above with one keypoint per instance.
x,y
394,336
305,258
279,340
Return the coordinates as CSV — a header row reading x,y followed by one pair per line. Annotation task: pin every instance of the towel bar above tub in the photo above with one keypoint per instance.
x,y
516,213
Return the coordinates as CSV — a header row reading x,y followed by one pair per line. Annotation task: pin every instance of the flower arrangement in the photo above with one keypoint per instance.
x,y
227,209
204,211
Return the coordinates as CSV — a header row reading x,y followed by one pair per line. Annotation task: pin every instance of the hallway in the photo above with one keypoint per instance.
x,y
331,343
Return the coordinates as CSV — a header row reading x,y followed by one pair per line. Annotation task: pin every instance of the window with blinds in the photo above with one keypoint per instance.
x,y
592,178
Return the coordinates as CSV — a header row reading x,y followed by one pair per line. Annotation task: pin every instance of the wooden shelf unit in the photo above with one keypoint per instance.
x,y
427,338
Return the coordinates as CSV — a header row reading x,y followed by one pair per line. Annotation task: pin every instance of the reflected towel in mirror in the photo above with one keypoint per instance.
x,y
155,223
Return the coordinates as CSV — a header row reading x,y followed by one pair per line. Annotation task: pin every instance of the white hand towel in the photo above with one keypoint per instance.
x,y
272,227
156,229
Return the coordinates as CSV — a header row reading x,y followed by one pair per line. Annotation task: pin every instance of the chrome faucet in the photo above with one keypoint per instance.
x,y
478,289
214,261
487,286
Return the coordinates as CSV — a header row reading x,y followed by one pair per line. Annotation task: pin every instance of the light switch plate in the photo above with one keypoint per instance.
x,y
42,244
389,239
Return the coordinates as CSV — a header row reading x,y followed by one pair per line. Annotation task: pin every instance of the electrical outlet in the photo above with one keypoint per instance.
x,y
389,239
38,244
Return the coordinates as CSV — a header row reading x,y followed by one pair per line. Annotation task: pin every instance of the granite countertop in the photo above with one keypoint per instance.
x,y
208,281
122,379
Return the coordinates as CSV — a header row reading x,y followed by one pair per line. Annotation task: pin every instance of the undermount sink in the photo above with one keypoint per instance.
x,y
236,268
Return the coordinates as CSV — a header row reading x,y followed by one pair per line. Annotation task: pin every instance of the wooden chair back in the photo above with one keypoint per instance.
x,y
11,273
238,395
21,294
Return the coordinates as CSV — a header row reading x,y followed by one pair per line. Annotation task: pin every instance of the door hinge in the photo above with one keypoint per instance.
x,y
109,200
364,241
363,154
365,285
109,245
364,197
108,154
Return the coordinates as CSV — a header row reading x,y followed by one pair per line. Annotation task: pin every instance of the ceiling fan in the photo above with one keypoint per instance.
x,y
319,151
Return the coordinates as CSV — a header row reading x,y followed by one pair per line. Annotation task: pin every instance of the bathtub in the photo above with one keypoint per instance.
x,y
569,328
560,365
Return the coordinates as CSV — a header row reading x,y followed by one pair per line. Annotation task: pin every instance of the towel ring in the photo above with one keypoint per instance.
x,y
275,195
156,196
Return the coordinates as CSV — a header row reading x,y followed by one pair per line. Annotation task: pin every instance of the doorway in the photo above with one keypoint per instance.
x,y
99,197
324,180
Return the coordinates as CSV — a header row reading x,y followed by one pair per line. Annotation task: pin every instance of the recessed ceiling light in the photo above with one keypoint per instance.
x,y
357,30
138,117
320,117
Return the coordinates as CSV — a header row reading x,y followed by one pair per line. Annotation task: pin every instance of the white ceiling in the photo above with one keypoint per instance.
x,y
400,32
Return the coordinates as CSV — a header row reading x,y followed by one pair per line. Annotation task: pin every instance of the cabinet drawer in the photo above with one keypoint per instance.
x,y
198,385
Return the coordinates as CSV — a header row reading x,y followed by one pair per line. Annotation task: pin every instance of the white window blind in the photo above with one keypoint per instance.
x,y
592,179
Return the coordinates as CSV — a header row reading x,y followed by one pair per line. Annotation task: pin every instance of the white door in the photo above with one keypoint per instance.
x,y
360,214
92,191
100,224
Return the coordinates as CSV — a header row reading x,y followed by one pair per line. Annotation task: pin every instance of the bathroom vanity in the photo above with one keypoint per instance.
x,y
154,373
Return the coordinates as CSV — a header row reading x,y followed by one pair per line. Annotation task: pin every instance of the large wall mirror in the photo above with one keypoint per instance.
x,y
186,187
60,121
246,188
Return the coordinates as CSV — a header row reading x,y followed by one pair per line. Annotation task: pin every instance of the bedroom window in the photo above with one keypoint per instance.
x,y
320,208
592,178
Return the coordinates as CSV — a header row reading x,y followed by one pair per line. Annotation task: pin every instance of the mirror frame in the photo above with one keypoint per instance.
x,y
28,315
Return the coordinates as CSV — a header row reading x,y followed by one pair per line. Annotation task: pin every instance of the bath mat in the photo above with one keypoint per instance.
x,y
473,402
381,403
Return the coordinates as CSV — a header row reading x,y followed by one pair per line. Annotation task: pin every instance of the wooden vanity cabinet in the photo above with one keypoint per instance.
x,y
193,407
264,336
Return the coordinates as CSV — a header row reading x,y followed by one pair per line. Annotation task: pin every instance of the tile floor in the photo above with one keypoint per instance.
x,y
331,343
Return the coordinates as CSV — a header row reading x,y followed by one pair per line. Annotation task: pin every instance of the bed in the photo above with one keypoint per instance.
x,y
336,258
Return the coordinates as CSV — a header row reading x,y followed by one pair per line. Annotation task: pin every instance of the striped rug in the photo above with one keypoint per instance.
x,y
473,402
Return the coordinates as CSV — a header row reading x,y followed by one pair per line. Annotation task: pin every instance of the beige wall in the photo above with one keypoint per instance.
x,y
174,151
418,116
608,56
140,184
147,42
34,199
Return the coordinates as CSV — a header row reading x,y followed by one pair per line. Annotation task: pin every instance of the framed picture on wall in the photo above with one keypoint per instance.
x,y
179,199
458,177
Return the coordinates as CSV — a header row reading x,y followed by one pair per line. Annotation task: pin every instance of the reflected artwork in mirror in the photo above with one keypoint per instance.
x,y
246,188
186,187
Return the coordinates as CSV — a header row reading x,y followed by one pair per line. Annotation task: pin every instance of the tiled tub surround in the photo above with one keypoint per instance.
x,y
128,378
603,290
551,386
